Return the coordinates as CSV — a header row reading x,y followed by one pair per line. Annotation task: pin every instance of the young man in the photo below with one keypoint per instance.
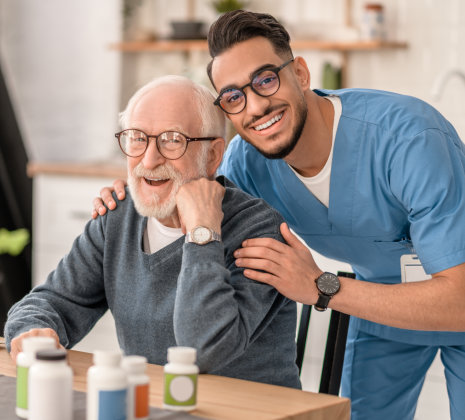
x,y
364,177
163,287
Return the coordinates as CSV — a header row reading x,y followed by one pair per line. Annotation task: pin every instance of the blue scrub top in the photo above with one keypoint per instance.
x,y
397,186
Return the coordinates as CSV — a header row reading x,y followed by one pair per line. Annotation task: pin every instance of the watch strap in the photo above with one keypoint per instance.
x,y
322,302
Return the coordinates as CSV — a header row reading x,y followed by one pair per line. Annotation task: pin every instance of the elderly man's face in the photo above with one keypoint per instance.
x,y
154,180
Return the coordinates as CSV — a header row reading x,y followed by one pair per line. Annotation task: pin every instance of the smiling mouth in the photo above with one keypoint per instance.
x,y
156,182
269,123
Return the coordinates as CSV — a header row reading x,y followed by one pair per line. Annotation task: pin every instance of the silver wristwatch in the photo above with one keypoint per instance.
x,y
202,235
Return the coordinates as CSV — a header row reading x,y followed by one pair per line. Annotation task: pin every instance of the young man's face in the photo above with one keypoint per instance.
x,y
272,124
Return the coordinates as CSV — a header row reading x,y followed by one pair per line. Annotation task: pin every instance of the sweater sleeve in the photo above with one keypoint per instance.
x,y
218,310
72,299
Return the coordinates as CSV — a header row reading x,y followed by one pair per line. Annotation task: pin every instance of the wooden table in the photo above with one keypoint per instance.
x,y
224,398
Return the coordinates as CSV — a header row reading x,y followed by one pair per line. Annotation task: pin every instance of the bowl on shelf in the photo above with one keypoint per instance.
x,y
188,29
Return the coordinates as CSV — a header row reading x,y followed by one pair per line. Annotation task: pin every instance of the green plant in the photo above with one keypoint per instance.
x,y
13,242
223,6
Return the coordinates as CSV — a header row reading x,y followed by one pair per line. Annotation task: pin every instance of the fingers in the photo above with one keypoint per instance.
x,y
265,243
106,198
290,238
118,186
262,277
99,208
17,342
263,264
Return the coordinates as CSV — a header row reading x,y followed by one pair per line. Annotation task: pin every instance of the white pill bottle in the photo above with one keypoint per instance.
x,y
138,387
106,388
180,379
25,359
50,387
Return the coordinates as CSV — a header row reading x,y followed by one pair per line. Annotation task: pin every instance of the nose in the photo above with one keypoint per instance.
x,y
256,104
152,157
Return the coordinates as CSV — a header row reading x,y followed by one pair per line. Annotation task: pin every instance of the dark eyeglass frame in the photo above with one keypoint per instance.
x,y
274,70
156,137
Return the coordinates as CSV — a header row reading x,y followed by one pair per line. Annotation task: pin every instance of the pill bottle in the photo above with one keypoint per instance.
x,y
50,387
24,360
138,387
106,387
372,25
180,379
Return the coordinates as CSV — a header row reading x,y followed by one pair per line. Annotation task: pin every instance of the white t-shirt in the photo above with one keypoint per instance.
x,y
157,236
318,185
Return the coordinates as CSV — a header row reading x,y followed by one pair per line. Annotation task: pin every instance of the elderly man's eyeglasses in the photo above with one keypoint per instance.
x,y
171,144
264,83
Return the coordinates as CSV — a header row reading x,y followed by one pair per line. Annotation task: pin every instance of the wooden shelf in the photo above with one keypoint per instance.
x,y
201,45
86,169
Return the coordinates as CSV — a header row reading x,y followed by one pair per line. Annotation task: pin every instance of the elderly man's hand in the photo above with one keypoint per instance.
x,y
17,342
199,204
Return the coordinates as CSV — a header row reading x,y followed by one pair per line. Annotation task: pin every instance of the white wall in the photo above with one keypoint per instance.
x,y
63,79
435,32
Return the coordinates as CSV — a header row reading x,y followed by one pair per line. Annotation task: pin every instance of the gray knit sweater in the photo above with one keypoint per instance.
x,y
184,294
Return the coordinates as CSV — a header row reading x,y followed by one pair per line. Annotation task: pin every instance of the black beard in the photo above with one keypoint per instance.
x,y
294,139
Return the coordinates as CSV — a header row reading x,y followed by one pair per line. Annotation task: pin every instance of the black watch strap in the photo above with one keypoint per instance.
x,y
322,302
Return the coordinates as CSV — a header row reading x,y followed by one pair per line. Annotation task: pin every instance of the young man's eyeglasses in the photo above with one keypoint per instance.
x,y
171,144
264,83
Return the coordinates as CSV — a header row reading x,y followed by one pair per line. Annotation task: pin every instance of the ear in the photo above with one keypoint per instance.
x,y
302,72
215,156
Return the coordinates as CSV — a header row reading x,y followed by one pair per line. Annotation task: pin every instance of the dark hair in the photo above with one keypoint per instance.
x,y
241,25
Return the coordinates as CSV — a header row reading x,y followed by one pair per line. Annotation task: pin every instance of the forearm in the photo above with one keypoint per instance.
x,y
214,313
71,299
436,304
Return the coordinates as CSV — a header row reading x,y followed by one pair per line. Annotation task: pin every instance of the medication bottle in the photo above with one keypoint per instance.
x,y
138,387
50,387
181,372
106,388
24,360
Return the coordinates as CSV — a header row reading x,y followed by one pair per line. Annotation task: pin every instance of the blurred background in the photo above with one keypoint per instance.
x,y
67,68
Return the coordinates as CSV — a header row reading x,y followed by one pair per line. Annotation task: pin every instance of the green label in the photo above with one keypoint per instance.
x,y
21,387
180,390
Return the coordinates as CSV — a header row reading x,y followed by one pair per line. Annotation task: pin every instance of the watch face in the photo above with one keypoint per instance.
x,y
201,235
328,284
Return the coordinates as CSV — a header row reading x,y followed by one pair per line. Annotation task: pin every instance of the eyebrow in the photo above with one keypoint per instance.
x,y
251,75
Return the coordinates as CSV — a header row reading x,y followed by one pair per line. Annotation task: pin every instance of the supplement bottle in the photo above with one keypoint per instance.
x,y
181,372
106,388
138,387
24,360
50,387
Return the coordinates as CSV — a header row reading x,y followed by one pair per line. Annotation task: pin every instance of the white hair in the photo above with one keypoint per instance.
x,y
212,119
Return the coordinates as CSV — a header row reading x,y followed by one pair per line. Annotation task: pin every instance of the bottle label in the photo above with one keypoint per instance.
x,y
141,401
112,405
21,387
180,390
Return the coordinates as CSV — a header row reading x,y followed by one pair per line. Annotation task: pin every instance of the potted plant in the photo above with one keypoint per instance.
x,y
12,244
189,28
223,6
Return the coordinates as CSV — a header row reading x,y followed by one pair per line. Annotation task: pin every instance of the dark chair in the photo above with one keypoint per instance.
x,y
335,346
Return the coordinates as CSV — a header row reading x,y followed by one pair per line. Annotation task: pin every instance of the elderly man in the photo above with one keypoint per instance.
x,y
165,288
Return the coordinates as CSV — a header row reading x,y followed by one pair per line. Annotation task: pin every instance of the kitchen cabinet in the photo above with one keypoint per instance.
x,y
62,204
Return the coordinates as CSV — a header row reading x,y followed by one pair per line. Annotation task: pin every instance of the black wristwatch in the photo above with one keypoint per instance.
x,y
328,285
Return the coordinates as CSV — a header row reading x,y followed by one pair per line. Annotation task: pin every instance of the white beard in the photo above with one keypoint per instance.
x,y
151,206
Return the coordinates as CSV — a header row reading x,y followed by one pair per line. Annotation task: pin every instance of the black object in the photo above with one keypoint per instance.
x,y
335,345
16,204
51,354
328,285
